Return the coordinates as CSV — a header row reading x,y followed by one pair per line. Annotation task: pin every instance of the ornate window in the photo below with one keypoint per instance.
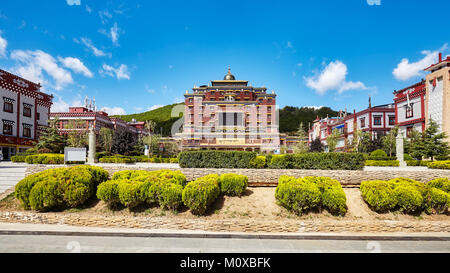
x,y
26,129
8,127
363,122
409,111
377,120
27,110
8,105
391,120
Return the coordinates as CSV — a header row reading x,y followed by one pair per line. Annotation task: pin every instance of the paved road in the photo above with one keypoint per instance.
x,y
10,174
92,244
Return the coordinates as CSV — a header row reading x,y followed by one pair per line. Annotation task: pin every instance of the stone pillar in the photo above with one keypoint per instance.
x,y
92,146
400,149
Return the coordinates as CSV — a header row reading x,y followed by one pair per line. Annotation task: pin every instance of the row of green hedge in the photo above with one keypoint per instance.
x,y
134,159
439,165
407,195
169,189
305,194
318,161
59,188
247,160
383,163
45,159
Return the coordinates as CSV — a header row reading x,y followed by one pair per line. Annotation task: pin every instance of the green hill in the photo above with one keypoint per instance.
x,y
290,117
162,116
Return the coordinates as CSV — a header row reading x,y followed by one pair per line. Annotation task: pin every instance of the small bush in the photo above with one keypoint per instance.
x,y
69,187
378,195
423,163
437,201
45,159
108,192
439,165
173,160
259,162
233,184
117,159
440,183
131,193
198,195
378,153
409,199
299,196
383,163
171,196
18,158
216,159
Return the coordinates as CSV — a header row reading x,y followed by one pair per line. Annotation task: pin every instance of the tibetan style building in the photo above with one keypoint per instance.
x,y
24,114
230,114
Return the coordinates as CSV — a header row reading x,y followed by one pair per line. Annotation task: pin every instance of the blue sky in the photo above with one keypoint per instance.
x,y
136,55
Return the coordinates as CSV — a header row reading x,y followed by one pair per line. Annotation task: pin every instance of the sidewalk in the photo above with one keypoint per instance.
x,y
66,230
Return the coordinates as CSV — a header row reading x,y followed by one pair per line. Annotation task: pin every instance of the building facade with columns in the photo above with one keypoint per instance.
x,y
24,114
230,114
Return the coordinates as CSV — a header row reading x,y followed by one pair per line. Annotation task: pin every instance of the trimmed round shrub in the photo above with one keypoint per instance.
x,y
46,195
233,184
378,153
409,199
437,201
171,196
440,183
76,185
259,162
379,195
285,179
18,158
176,177
131,193
335,201
108,192
198,195
299,197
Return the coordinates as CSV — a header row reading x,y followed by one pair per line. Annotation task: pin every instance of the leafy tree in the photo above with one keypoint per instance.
x,y
389,141
291,116
106,138
51,139
123,142
302,145
332,140
78,135
316,146
150,128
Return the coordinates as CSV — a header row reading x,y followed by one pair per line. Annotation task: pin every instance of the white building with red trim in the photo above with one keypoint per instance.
x,y
376,121
97,119
24,113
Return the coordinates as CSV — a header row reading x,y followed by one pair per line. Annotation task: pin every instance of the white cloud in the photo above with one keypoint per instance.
x,y
179,99
73,2
33,63
113,33
3,45
155,107
88,43
104,16
333,77
76,66
114,110
120,72
149,90
314,107
60,105
406,70
88,9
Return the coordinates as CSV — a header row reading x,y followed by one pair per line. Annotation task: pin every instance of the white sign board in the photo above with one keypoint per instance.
x,y
74,154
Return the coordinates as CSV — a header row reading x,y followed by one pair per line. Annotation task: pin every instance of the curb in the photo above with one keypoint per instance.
x,y
227,236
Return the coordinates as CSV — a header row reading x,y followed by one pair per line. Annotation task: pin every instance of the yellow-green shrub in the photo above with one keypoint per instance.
x,y
379,195
198,195
440,183
233,184
45,159
298,196
171,196
439,165
437,201
409,199
108,192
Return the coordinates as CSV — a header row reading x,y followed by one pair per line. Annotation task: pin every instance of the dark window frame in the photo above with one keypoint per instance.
x,y
27,113
391,120
5,108
6,131
377,120
27,130
409,111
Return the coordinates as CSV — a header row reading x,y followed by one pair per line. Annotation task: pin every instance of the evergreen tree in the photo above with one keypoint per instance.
x,y
78,136
434,142
51,139
316,146
414,145
123,142
302,145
